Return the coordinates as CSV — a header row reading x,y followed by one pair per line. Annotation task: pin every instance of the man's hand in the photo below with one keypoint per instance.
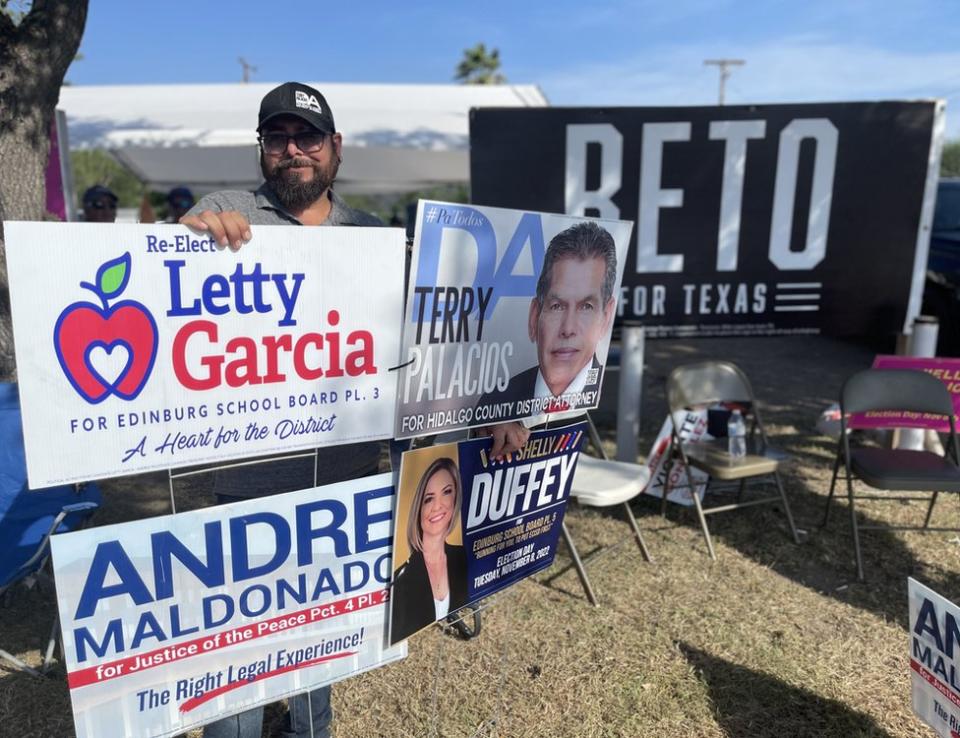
x,y
507,437
229,228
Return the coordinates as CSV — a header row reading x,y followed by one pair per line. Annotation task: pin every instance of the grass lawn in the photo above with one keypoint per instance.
x,y
772,639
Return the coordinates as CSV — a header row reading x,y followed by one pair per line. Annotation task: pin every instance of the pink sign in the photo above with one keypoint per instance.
x,y
946,370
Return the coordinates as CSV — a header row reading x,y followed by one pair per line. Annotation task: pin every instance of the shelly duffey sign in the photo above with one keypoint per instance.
x,y
149,348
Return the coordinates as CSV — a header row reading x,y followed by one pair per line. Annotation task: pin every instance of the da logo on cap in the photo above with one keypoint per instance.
x,y
305,100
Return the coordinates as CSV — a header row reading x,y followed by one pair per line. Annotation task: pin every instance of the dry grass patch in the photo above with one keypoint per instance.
x,y
773,639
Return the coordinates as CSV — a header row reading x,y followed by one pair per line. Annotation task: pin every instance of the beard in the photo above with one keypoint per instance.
x,y
293,193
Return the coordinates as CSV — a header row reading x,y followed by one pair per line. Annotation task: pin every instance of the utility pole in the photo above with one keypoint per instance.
x,y
247,68
723,65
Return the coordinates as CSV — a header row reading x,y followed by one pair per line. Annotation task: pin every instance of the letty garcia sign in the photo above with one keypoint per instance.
x,y
145,347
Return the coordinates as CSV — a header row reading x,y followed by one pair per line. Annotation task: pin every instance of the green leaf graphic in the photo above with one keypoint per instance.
x,y
112,278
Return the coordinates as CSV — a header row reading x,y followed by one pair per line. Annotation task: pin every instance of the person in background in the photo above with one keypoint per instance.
x,y
179,202
99,205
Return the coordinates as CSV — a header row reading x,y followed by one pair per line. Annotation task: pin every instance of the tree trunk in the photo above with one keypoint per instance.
x,y
34,57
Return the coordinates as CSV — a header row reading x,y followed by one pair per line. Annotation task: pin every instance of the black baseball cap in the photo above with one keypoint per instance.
x,y
294,98
96,192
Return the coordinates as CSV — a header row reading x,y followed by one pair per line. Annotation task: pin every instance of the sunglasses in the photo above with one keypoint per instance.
x,y
308,142
101,205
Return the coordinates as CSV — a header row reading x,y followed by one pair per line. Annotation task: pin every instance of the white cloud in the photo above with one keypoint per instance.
x,y
794,69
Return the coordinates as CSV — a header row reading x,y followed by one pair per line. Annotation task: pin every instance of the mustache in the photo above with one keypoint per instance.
x,y
296,162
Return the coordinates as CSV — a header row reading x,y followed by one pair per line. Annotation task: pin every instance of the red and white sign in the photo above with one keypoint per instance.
x,y
143,347
934,661
175,621
693,427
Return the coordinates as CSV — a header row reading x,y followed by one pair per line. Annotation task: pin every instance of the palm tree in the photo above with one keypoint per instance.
x,y
479,67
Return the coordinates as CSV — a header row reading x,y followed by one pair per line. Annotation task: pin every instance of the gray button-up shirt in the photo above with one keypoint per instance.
x,y
261,207
334,463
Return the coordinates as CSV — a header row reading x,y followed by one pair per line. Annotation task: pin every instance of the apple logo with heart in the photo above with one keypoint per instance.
x,y
107,349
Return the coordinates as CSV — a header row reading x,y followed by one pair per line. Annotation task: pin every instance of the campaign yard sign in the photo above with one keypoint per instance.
x,y
693,427
175,621
934,677
143,347
496,521
947,370
508,316
751,219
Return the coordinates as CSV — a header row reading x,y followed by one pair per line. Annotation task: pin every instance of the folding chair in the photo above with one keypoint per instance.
x,y
716,382
605,483
28,518
894,469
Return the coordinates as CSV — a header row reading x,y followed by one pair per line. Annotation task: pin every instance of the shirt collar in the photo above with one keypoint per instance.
x,y
267,200
577,385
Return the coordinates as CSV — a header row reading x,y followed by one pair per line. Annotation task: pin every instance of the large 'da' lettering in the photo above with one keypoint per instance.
x,y
653,196
471,240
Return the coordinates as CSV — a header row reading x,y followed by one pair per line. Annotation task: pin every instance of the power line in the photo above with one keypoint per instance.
x,y
247,69
723,66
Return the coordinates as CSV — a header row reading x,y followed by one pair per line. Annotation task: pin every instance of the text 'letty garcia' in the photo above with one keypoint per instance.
x,y
202,361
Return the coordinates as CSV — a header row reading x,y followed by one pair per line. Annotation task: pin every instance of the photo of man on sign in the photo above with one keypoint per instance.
x,y
571,312
509,316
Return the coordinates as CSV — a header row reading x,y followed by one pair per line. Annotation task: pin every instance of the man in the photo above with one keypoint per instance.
x,y
300,154
571,313
179,202
99,205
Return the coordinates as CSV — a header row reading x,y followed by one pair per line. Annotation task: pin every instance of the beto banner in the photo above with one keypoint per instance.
x,y
175,621
468,525
509,315
145,347
934,661
751,220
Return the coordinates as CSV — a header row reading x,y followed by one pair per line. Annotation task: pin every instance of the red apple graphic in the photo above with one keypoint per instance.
x,y
126,325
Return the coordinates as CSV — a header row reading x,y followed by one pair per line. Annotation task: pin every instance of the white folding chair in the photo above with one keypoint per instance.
x,y
604,482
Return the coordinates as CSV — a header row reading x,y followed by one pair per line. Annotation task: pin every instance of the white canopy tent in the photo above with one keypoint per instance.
x,y
397,138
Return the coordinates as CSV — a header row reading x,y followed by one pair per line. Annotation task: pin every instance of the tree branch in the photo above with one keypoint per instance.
x,y
8,30
54,29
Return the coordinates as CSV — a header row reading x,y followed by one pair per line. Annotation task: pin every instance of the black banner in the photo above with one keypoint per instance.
x,y
750,220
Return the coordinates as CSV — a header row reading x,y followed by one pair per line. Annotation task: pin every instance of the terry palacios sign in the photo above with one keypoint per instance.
x,y
509,315
145,347
934,641
175,621
751,220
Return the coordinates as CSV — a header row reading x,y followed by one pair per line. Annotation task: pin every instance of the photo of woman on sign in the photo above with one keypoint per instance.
x,y
432,582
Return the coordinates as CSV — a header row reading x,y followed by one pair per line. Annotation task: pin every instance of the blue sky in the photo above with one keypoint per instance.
x,y
629,52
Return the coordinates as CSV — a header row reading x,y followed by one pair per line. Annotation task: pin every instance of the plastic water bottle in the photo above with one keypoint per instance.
x,y
737,435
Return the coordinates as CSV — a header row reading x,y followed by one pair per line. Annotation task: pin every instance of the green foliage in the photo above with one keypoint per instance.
x,y
92,167
950,159
480,67
385,206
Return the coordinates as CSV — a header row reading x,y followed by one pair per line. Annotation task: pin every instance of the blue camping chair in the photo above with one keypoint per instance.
x,y
29,517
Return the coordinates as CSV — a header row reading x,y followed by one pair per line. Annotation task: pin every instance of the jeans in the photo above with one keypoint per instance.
x,y
249,724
